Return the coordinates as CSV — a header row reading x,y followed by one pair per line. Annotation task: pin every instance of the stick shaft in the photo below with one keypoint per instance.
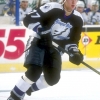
x,y
93,69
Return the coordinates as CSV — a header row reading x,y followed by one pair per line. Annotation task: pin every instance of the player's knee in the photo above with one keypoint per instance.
x,y
52,80
33,72
52,77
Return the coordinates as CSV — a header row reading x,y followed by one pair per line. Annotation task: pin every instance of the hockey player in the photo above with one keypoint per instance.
x,y
52,22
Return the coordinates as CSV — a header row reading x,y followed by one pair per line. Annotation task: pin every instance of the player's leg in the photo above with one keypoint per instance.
x,y
38,85
51,69
31,76
33,62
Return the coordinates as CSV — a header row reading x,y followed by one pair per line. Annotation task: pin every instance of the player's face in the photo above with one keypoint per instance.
x,y
95,8
80,9
70,4
24,4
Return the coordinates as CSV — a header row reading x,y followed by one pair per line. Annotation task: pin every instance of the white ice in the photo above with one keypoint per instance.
x,y
73,85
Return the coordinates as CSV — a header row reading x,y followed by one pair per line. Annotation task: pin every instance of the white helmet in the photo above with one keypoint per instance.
x,y
80,4
94,2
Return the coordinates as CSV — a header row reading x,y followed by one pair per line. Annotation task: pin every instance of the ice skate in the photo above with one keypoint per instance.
x,y
14,97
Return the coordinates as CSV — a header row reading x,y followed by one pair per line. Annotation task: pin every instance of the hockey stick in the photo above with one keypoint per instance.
x,y
60,48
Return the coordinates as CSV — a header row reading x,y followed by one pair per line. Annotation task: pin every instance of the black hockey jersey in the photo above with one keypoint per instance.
x,y
64,29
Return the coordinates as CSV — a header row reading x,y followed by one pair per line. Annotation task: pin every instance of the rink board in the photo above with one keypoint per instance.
x,y
65,66
13,40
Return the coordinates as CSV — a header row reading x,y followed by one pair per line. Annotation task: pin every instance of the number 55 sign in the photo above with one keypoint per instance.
x,y
12,45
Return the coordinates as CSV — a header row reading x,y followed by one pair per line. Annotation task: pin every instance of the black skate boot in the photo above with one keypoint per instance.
x,y
13,97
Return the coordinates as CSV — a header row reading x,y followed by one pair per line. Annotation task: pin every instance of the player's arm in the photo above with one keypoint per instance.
x,y
75,55
40,21
32,19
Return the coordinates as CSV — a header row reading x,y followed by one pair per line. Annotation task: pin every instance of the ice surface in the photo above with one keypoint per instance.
x,y
73,85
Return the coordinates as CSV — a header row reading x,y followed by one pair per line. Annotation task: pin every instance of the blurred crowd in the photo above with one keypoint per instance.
x,y
90,13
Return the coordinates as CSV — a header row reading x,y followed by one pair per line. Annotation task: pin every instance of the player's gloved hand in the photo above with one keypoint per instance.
x,y
75,56
46,38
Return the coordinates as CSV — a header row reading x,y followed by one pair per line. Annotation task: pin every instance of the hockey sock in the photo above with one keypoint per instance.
x,y
39,84
22,86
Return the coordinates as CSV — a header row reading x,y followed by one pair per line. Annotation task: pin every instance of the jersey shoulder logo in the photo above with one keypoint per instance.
x,y
46,6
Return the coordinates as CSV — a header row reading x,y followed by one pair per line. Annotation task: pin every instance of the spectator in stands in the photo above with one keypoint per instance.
x,y
94,13
12,10
9,8
80,6
24,9
2,4
5,10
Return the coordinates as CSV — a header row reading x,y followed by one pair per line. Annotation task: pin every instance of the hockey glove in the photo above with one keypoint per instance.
x,y
46,38
75,56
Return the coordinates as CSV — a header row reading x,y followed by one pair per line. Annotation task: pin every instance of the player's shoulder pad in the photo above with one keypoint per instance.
x,y
49,6
78,14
